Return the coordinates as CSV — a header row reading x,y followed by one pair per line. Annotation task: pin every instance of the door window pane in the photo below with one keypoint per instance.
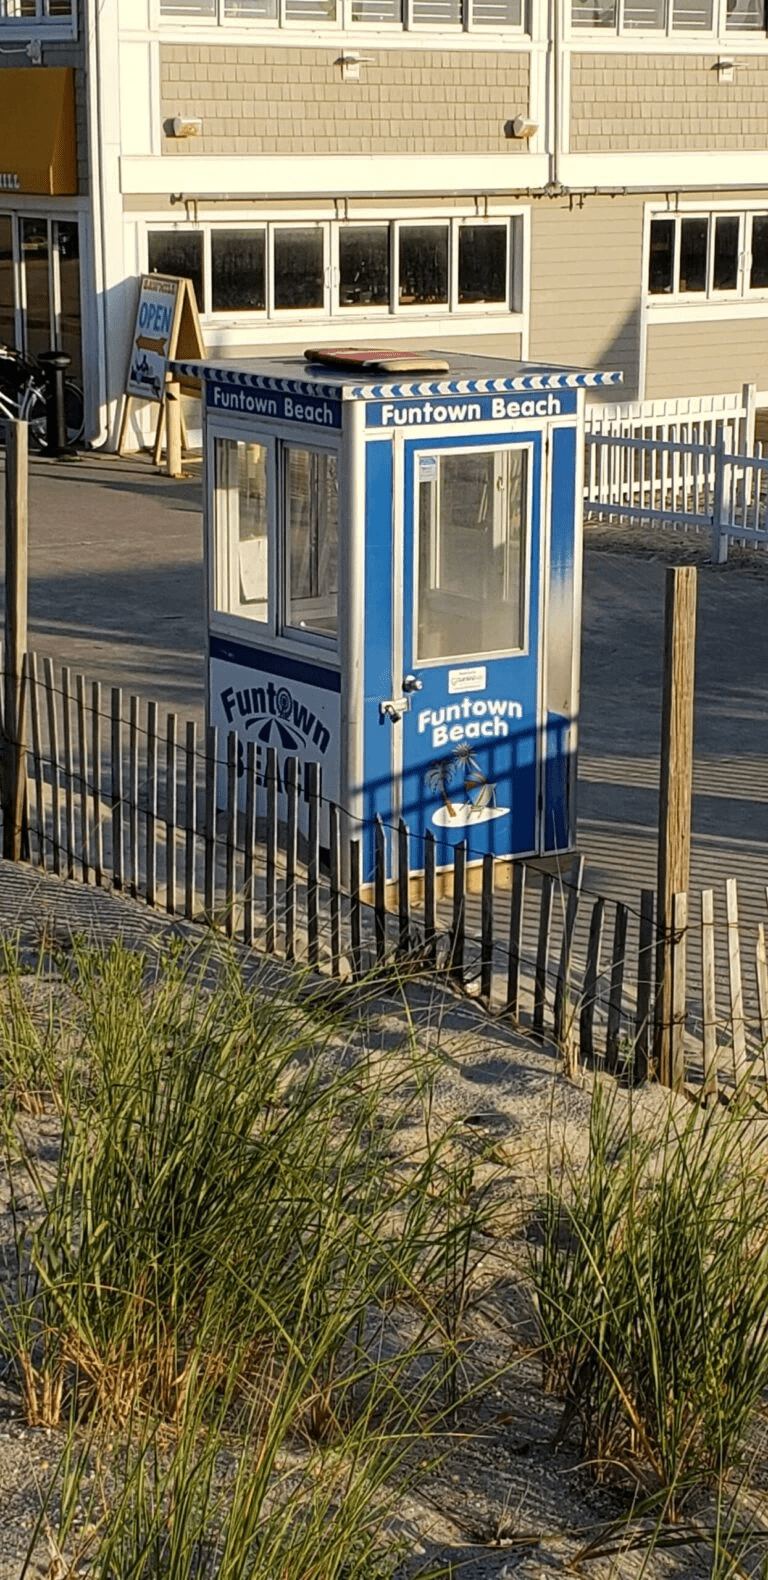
x,y
364,266
299,268
36,259
758,276
661,265
693,254
67,243
725,270
423,251
312,540
178,252
243,532
472,510
7,296
483,263
237,271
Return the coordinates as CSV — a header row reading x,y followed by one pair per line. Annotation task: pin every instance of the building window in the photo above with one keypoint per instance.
x,y
670,16
442,15
38,11
342,268
708,255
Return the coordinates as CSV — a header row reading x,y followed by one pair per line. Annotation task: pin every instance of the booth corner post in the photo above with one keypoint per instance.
x,y
675,798
14,751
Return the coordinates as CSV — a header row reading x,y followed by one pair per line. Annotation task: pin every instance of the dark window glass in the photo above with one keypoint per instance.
x,y
745,16
67,244
661,267
178,252
758,275
423,265
299,268
364,266
693,254
483,263
7,314
35,255
725,273
237,271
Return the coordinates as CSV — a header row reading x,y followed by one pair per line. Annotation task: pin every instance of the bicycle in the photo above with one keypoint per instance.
x,y
23,395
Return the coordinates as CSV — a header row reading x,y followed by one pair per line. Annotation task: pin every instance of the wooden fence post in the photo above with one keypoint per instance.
x,y
675,790
14,777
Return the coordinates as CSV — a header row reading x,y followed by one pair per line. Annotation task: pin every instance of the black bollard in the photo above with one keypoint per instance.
x,y
54,364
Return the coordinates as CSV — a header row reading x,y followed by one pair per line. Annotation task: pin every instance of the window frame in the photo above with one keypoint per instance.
x,y
483,446
55,29
222,554
619,30
341,20
742,293
513,221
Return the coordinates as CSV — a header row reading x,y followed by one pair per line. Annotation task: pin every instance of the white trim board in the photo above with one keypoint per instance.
x,y
335,173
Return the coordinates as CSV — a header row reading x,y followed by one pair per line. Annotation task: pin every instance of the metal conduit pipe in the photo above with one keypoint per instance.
x,y
547,191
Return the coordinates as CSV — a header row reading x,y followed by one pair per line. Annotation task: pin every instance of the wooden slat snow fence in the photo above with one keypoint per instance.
x,y
117,795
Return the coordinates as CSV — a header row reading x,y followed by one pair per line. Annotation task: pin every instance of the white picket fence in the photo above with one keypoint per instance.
x,y
691,481
692,419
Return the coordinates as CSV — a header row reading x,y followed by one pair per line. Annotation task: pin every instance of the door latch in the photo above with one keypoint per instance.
x,y
412,683
394,708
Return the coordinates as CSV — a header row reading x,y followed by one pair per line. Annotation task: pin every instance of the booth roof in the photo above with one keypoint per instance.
x,y
467,375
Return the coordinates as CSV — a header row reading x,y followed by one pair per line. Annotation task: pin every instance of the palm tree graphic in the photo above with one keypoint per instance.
x,y
437,777
475,779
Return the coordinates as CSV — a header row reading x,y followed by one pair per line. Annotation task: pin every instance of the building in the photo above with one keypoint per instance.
x,y
583,181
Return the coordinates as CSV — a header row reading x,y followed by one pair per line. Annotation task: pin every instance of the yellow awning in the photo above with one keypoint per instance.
x,y
38,150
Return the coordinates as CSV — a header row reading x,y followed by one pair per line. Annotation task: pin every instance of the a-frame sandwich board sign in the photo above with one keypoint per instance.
x,y
167,325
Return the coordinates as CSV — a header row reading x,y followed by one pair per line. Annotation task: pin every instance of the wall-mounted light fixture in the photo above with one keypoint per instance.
x,y
523,128
351,62
725,67
187,126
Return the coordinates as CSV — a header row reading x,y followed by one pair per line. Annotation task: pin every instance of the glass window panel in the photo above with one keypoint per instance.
x,y
67,243
299,268
310,10
645,14
7,293
36,260
178,252
758,274
692,16
594,13
437,13
312,530
497,13
238,271
377,11
188,7
364,266
423,251
661,264
693,254
725,267
257,10
472,511
744,16
483,263
243,531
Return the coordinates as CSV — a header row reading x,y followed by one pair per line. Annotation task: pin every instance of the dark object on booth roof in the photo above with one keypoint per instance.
x,y
54,364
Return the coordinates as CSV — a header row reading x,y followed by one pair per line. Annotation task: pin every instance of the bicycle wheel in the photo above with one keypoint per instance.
x,y
32,409
74,411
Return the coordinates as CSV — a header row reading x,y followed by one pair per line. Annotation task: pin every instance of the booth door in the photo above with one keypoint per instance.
x,y
471,739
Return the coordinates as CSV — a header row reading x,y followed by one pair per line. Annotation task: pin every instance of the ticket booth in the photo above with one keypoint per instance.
x,y
393,566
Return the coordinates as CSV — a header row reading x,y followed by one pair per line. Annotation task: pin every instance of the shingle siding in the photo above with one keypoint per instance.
x,y
637,103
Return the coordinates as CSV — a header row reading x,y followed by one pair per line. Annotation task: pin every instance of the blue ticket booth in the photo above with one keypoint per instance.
x,y
393,569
